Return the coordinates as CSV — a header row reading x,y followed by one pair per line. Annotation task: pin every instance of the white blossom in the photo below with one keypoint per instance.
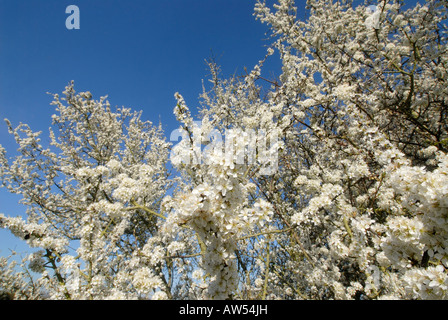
x,y
327,182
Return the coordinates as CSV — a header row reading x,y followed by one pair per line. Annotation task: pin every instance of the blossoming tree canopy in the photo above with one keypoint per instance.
x,y
354,204
97,182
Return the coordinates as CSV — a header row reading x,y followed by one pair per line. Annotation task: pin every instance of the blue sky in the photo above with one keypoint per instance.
x,y
137,52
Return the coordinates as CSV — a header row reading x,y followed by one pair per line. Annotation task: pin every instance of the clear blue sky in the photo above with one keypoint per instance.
x,y
138,52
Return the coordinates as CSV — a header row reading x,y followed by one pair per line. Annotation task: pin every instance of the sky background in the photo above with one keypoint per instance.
x,y
138,52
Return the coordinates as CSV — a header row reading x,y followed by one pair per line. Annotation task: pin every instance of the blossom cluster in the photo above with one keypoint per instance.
x,y
349,201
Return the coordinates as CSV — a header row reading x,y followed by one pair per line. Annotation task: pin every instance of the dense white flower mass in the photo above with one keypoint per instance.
x,y
329,182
